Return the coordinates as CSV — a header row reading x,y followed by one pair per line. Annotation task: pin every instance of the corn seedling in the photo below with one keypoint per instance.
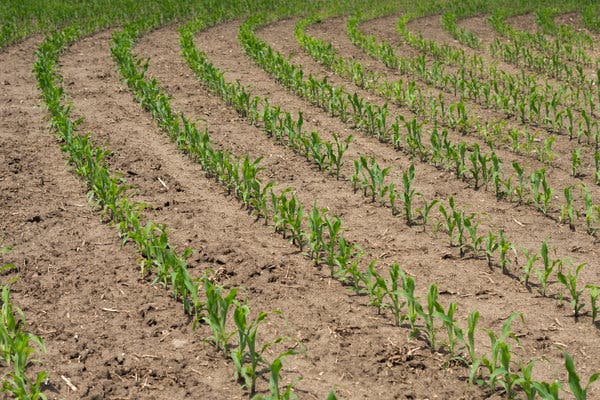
x,y
333,226
472,227
594,291
347,258
504,245
469,343
275,393
374,178
408,193
450,324
372,281
491,245
497,364
525,381
568,213
434,310
549,266
217,309
475,170
393,293
352,272
576,163
592,212
392,196
425,210
570,282
580,392
335,154
316,224
548,391
414,308
288,215
448,222
545,153
541,191
16,348
248,356
530,259
520,188
463,223
597,167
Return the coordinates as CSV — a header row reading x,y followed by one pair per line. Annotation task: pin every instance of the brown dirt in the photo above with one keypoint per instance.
x,y
115,335
523,22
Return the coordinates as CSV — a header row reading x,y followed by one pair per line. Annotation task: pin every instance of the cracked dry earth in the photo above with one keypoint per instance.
x,y
111,334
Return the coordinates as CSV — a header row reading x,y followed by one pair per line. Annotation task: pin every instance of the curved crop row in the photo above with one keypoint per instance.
x,y
380,290
202,299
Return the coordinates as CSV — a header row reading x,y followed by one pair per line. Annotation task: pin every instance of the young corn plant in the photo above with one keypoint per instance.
x,y
594,291
393,293
335,154
414,308
463,224
408,194
275,393
372,282
548,391
316,224
450,324
248,356
570,282
475,168
497,364
576,163
520,189
469,341
434,311
530,258
508,380
374,178
549,267
217,310
472,227
504,245
334,226
491,246
424,211
448,222
392,197
347,259
568,213
580,392
288,215
597,167
541,191
16,348
525,380
592,212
